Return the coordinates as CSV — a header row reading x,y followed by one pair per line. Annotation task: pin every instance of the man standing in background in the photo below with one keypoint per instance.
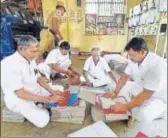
x,y
50,37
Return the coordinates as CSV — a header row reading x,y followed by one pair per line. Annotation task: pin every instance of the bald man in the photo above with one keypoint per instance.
x,y
96,71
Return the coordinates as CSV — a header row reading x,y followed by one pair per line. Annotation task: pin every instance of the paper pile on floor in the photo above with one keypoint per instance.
x,y
69,114
98,129
10,116
89,94
110,114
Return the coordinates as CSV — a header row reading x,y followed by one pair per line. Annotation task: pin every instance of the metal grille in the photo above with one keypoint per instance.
x,y
106,7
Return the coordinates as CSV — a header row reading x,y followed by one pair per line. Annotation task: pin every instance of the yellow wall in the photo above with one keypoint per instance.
x,y
78,38
75,32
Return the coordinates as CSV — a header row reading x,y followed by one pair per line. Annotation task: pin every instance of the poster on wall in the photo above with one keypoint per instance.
x,y
110,16
119,20
90,24
110,25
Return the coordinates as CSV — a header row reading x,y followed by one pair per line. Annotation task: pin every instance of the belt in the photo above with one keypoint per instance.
x,y
51,31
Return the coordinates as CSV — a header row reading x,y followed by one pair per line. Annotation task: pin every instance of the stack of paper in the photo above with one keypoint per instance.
x,y
107,108
69,114
89,94
115,115
98,129
10,116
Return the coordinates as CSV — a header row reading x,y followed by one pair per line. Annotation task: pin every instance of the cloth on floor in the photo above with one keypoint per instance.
x,y
116,62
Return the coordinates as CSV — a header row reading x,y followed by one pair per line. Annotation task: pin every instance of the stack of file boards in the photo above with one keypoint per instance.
x,y
109,112
10,116
69,114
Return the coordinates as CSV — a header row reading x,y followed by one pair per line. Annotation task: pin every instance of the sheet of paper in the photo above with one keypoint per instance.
x,y
98,129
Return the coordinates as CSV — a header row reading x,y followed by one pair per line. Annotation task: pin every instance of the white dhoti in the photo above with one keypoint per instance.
x,y
101,81
36,115
150,110
46,70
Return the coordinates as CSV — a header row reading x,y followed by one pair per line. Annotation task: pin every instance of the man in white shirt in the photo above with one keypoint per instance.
x,y
96,71
146,94
22,86
58,62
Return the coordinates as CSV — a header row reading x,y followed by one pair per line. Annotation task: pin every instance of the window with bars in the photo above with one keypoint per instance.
x,y
105,17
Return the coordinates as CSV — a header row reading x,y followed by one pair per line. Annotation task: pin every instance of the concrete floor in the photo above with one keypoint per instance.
x,y
54,129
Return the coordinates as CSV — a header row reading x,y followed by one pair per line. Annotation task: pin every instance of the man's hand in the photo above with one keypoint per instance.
x,y
70,73
111,95
89,84
61,38
57,93
56,98
120,107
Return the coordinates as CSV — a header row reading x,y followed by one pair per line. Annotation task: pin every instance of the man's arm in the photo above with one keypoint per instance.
x,y
56,26
137,101
112,76
85,75
58,69
21,93
45,85
123,79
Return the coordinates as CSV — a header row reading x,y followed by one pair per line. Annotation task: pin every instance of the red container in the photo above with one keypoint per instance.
x,y
65,102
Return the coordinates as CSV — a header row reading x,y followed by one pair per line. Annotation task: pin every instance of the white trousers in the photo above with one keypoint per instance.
x,y
47,71
104,80
150,110
36,115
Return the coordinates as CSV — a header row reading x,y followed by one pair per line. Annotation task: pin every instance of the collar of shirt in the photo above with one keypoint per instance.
x,y
59,51
21,58
97,61
144,61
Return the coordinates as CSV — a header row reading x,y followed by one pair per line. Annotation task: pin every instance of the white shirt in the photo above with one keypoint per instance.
x,y
151,74
99,70
17,73
55,56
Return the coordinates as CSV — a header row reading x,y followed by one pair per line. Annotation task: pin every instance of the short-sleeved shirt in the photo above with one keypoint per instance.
x,y
17,73
151,74
50,18
99,70
56,57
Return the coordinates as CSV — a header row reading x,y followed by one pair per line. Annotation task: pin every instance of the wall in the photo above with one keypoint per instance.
x,y
79,39
75,32
150,40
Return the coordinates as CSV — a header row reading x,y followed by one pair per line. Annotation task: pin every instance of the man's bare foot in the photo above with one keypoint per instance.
x,y
131,121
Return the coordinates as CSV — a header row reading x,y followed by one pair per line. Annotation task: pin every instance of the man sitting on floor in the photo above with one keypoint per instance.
x,y
96,71
22,86
146,94
57,63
